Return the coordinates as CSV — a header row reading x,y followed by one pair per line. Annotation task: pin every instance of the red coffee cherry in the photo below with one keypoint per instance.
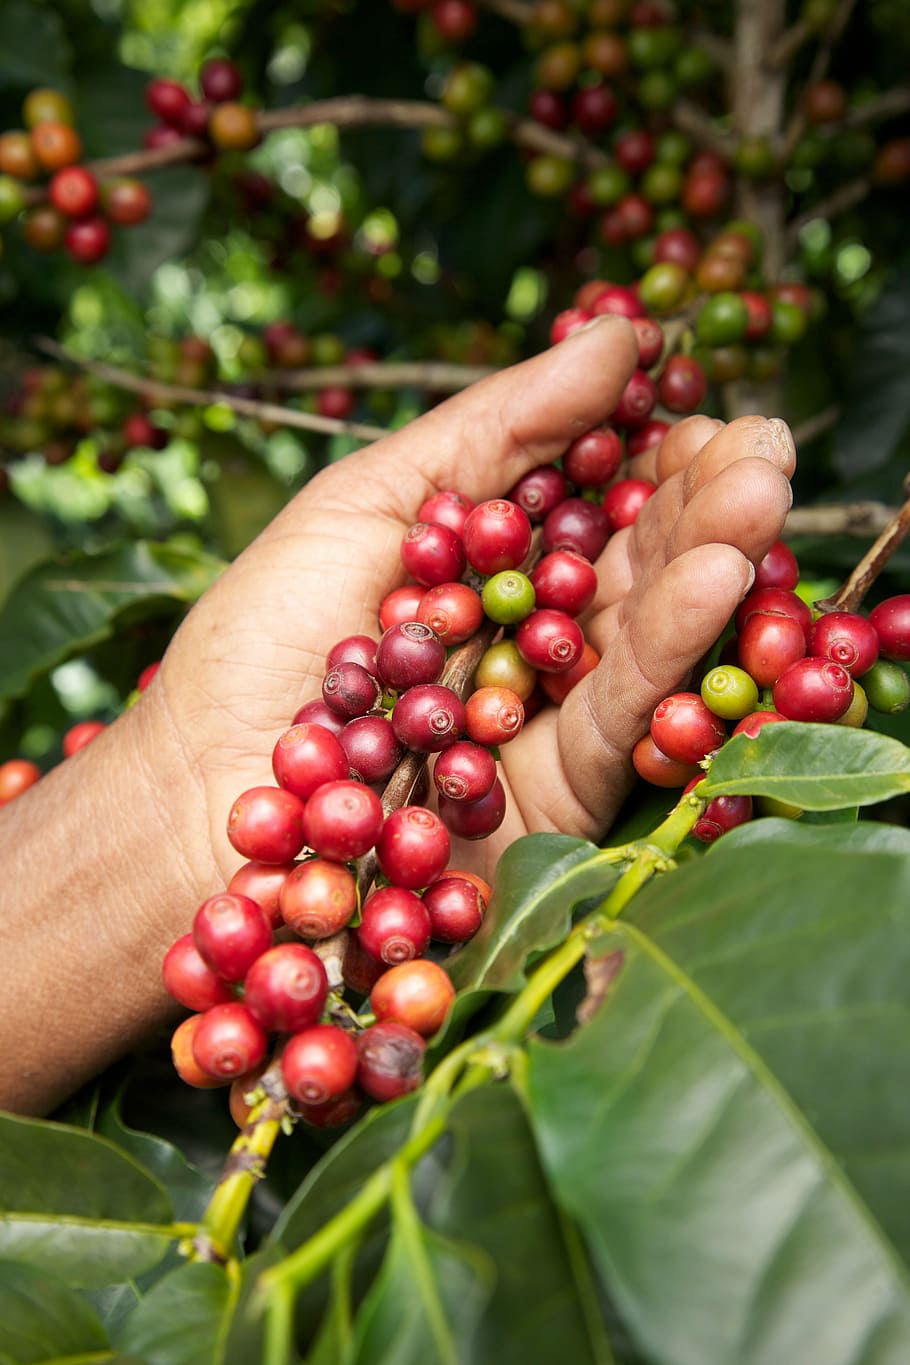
x,y
185,1064
410,654
650,341
138,430
286,988
394,925
74,191
564,581
335,1114
350,690
418,994
634,150
167,100
16,776
127,202
548,108
497,536
317,713
576,525
623,502
456,908
446,508
371,749
768,644
228,1041
221,80
683,384
760,312
318,898
88,240
428,718
305,757
593,459
494,715
651,433
891,620
636,402
319,1064
401,605
813,690
266,825
778,569
432,553
539,491
750,725
354,649
475,819
413,848
594,108
453,611
262,882
685,729
147,676
359,970
465,772
655,767
231,931
678,246
550,640
77,736
722,814
568,321
389,1060
847,639
190,980
342,820
778,601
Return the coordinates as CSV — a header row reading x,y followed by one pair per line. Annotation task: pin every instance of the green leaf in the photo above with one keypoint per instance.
x,y
183,1320
74,1204
34,49
63,607
493,1195
538,880
730,1131
42,1319
818,767
877,407
24,540
188,1188
865,837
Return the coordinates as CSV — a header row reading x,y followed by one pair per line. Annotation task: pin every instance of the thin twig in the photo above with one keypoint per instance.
x,y
518,12
700,128
789,43
153,389
887,105
817,425
851,594
817,72
840,519
845,197
437,375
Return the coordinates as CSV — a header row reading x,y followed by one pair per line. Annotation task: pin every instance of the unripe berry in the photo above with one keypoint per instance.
x,y
185,1064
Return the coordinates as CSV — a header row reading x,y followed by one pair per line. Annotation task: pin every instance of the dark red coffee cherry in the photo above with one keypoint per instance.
x,y
497,536
778,569
266,824
650,341
389,1060
319,1064
847,639
453,611
231,931
550,640
778,601
637,401
685,729
475,819
891,620
678,246
565,582
410,654
354,649
465,772
432,553
189,978
88,240
342,820
167,100
456,908
494,715
539,491
634,150
318,898
371,749
262,882
651,433
768,644
306,756
657,768
428,718
446,508
394,925
576,525
221,80
683,384
623,502
813,690
548,108
229,1041
286,988
413,848
359,971
594,109
350,690
721,815
593,459
317,713
418,994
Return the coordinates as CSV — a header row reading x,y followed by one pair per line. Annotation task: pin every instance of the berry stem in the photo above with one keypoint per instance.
x,y
850,595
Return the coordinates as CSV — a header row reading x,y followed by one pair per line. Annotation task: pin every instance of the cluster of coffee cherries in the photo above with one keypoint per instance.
x,y
216,116
61,202
785,662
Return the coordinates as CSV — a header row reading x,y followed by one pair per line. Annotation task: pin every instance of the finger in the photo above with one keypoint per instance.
x,y
746,436
743,505
481,441
683,442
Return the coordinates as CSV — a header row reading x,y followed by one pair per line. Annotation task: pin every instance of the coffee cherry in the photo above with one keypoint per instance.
x,y
892,162
319,1064
245,1092
370,748
428,718
409,655
16,776
262,882
286,988
564,581
858,710
77,736
229,1041
886,686
637,400
651,433
497,536
190,979
446,508
167,100
56,145
568,321
634,150
684,729
342,820
813,690
549,640
778,569
433,554
161,136
722,319
455,20
231,931
317,713
43,105
577,525
394,925
751,725
557,686
891,621
664,286
221,80
650,336
778,601
185,1064
456,909
305,757
508,597
729,692
768,644
74,191
353,649
389,1060
618,300
350,690
721,815
503,666
336,401
44,228
593,459
418,994
475,819
194,121
655,767
88,241
401,605
679,246
266,824
318,898
623,502
683,384
824,102
847,639
234,127
139,430
126,202
413,848
465,771
453,611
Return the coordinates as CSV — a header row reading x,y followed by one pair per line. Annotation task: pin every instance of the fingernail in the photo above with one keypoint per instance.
x,y
611,318
751,578
782,435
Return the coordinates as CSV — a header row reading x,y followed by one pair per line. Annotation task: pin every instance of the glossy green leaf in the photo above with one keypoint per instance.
x,y
493,1195
42,1319
188,1188
24,541
867,836
74,1204
727,1130
538,880
183,1320
818,767
62,608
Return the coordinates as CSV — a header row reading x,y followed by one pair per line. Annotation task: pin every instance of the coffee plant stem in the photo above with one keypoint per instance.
x,y
851,594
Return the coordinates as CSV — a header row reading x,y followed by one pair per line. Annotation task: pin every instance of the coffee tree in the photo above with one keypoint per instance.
x,y
637,1103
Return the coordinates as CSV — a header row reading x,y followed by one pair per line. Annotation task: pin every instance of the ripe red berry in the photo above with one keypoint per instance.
x,y
413,847
88,240
231,931
594,108
677,246
77,736
760,314
147,676
266,825
319,1064
465,771
634,150
618,300
409,655
394,925
475,819
494,715
683,384
350,690
577,525
446,508
229,1041
428,718
623,502
891,620
167,100
685,729
456,908
557,686
813,690
636,402
778,569
127,202
317,713
401,605
306,756
651,433
721,815
564,581
353,649
432,553
139,430
418,994
74,191
453,611
750,725
497,536
390,1060
847,639
768,644
286,988
779,601
650,341
336,401
371,749
342,820
262,882
189,978
593,459
568,321
16,776
221,80
318,898
539,491
655,767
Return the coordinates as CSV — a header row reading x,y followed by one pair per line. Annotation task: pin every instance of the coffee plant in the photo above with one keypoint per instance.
x,y
643,1102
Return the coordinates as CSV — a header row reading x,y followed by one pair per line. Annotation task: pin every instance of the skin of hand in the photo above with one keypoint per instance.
x,y
122,842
